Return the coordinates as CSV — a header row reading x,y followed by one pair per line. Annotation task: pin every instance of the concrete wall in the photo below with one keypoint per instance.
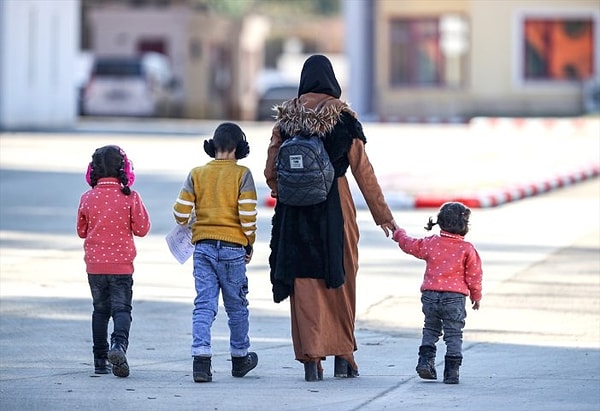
x,y
39,42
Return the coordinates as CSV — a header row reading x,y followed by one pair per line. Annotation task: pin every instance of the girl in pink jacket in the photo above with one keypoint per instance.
x,y
109,215
453,272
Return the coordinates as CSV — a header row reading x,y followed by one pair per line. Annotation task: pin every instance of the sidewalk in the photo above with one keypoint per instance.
x,y
535,343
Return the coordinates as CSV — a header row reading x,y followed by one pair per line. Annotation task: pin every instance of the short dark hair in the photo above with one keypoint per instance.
x,y
227,137
453,217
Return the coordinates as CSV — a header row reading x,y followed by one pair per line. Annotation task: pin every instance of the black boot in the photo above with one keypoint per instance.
x,y
313,371
241,366
426,365
451,375
202,369
343,369
101,366
117,357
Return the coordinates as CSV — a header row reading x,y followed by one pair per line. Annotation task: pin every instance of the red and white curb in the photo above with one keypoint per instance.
x,y
480,199
493,198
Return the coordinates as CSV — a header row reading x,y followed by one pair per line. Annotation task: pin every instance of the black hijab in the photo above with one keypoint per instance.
x,y
318,77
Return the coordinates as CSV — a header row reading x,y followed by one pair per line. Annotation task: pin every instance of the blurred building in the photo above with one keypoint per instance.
x,y
215,59
39,42
450,60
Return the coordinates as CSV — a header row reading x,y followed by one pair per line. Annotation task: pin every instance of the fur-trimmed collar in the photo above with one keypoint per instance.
x,y
294,117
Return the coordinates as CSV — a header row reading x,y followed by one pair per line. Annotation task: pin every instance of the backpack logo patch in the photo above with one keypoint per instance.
x,y
296,161
304,171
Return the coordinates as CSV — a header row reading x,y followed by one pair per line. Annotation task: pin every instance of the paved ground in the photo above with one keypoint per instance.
x,y
535,343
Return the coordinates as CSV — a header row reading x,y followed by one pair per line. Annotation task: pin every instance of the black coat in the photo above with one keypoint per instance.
x,y
308,242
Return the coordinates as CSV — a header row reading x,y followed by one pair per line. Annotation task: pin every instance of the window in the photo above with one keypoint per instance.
x,y
558,49
428,52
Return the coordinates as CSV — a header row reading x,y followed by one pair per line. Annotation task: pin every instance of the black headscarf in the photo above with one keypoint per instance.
x,y
318,77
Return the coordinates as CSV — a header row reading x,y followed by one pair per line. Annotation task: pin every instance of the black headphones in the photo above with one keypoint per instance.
x,y
242,148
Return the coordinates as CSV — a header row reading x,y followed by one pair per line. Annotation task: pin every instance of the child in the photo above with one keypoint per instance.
x,y
222,196
453,271
109,215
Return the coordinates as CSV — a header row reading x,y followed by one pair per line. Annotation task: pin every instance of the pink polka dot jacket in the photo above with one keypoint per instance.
x,y
108,220
452,264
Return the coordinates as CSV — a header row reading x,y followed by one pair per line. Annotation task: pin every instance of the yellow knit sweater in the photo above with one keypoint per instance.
x,y
222,196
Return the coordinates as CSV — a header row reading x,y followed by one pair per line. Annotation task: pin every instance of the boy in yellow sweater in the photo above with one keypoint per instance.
x,y
222,196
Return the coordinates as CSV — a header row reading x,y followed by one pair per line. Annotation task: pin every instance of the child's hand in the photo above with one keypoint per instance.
x,y
249,252
397,234
475,304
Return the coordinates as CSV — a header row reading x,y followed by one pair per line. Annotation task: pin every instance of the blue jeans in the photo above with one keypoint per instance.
x,y
111,295
445,314
220,268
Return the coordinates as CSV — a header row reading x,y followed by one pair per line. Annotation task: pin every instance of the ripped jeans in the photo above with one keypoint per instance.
x,y
220,268
445,315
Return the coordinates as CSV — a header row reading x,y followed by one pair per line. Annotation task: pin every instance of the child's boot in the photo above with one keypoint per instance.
x,y
202,369
452,364
101,365
426,365
116,356
241,366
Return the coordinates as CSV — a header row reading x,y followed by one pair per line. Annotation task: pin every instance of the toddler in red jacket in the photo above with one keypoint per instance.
x,y
109,215
453,272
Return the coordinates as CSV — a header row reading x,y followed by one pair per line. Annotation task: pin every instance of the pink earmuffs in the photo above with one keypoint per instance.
x,y
127,168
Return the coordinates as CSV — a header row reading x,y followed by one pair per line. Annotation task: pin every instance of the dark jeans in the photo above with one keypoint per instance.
x,y
111,296
445,314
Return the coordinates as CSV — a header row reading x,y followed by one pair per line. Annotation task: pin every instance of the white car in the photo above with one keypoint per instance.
x,y
130,86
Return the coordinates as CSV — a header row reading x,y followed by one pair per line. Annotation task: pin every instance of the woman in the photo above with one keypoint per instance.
x,y
314,249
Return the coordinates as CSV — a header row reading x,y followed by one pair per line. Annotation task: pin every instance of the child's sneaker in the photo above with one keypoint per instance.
x,y
202,369
241,366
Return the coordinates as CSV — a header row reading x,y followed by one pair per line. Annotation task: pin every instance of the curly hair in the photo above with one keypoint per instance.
x,y
453,217
109,161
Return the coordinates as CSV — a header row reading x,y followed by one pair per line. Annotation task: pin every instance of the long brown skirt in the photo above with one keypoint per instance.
x,y
323,319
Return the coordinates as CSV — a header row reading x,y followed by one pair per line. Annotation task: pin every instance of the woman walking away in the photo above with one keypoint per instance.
x,y
314,248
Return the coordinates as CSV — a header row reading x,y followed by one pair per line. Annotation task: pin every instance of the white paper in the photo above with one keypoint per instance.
x,y
179,240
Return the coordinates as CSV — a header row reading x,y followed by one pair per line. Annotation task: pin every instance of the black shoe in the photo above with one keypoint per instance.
x,y
343,369
426,368
312,371
202,369
117,357
241,366
101,366
451,374
426,364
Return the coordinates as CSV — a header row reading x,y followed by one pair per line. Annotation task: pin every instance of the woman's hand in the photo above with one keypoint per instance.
x,y
389,227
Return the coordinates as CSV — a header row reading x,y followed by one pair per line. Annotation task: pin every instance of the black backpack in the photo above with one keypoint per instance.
x,y
304,171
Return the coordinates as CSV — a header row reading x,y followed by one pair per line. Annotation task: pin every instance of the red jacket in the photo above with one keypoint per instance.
x,y
453,264
108,220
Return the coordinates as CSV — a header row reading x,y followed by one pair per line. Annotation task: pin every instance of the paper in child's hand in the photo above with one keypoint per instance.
x,y
179,240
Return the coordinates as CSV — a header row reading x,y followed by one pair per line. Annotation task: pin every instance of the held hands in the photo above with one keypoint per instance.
x,y
475,304
389,227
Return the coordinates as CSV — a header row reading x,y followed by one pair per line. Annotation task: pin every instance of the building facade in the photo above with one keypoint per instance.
x,y
215,59
451,60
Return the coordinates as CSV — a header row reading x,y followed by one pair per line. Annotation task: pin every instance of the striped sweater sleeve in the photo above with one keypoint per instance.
x,y
247,202
184,205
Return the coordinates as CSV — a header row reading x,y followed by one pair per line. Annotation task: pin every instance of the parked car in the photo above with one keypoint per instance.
x,y
130,86
274,95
